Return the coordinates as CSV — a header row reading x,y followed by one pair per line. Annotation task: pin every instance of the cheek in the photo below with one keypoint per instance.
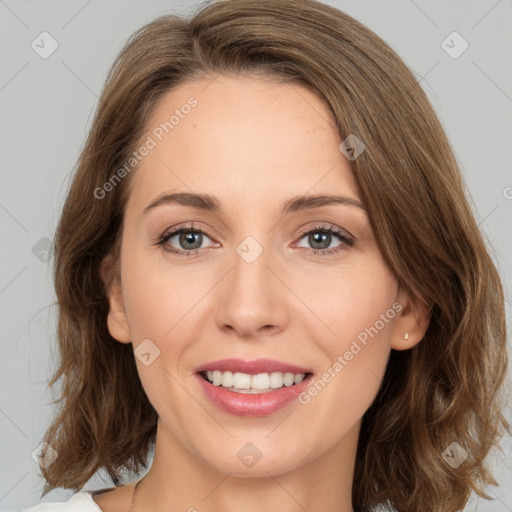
x,y
159,301
355,302
359,311
349,382
361,315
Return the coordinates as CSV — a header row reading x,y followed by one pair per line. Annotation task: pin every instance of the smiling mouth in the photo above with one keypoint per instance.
x,y
239,382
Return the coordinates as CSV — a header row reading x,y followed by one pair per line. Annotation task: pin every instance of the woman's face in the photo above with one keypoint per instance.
x,y
255,279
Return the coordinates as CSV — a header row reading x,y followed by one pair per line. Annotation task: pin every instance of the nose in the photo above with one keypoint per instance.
x,y
252,301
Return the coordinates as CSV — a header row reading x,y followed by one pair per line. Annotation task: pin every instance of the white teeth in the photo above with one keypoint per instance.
x,y
276,380
261,382
288,379
241,380
227,380
217,378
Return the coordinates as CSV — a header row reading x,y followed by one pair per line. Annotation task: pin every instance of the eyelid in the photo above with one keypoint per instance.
x,y
345,237
188,226
329,228
347,240
172,231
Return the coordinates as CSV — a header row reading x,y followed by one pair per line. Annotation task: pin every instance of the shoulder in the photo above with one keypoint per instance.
x,y
81,501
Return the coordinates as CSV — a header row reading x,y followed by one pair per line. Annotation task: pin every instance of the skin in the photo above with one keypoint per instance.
x,y
253,143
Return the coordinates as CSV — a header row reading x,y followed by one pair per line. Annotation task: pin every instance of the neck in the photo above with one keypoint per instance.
x,y
178,480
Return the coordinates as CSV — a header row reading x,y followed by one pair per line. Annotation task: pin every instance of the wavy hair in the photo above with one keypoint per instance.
x,y
445,389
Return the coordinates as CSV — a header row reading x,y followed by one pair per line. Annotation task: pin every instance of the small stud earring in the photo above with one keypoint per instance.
x,y
406,335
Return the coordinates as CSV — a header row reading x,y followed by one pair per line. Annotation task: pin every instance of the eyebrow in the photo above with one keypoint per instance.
x,y
211,204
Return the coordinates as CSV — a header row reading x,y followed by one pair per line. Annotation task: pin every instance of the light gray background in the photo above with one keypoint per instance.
x,y
46,111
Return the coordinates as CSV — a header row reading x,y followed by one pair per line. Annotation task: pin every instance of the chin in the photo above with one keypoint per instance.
x,y
244,458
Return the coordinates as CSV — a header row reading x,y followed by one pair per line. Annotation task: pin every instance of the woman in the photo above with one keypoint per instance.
x,y
268,272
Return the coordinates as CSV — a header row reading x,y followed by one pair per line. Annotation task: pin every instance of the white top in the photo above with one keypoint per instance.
x,y
80,502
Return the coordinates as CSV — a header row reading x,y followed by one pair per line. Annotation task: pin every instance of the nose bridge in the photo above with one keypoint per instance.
x,y
250,272
252,293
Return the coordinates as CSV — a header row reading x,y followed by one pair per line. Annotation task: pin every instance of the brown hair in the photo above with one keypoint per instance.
x,y
444,390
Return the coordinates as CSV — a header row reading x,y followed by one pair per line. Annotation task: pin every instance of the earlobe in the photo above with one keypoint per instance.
x,y
117,321
412,321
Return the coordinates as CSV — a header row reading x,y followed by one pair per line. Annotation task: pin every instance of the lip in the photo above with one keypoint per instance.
x,y
252,367
260,404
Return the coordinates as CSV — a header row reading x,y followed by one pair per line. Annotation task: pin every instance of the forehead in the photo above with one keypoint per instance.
x,y
245,139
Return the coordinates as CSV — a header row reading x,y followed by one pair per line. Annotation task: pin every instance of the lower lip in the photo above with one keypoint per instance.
x,y
258,404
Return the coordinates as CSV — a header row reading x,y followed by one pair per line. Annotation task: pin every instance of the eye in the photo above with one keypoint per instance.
x,y
188,240
320,239
184,241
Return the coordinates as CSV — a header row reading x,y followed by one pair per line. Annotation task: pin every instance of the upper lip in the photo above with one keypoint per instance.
x,y
251,367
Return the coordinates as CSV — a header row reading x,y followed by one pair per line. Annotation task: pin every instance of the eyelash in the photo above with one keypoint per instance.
x,y
346,240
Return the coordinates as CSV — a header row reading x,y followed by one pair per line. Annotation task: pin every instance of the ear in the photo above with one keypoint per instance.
x,y
412,321
116,321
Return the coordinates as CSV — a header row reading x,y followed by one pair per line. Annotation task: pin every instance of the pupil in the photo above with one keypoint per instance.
x,y
188,238
319,238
